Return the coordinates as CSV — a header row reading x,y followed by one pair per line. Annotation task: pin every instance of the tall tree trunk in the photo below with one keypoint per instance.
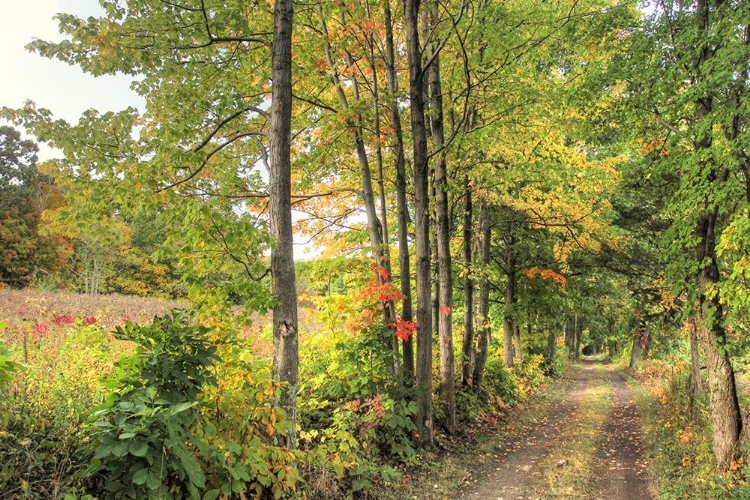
x,y
390,313
442,216
517,342
641,340
509,322
484,330
726,418
574,342
401,204
577,339
551,349
283,287
724,407
467,348
422,223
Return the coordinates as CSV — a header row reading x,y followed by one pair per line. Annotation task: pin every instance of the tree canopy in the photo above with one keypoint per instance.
x,y
572,170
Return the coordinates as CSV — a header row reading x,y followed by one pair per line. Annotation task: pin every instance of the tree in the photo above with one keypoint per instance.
x,y
422,222
24,194
694,114
442,229
200,148
285,326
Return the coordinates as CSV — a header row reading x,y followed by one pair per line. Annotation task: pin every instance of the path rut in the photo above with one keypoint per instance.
x,y
616,469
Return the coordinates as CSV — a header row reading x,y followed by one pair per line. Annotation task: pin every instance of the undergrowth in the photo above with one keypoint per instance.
x,y
678,435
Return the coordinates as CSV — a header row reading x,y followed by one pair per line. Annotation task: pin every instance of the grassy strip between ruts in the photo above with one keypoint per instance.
x,y
444,474
569,466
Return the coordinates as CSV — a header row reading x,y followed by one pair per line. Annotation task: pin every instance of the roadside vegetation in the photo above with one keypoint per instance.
x,y
487,191
678,435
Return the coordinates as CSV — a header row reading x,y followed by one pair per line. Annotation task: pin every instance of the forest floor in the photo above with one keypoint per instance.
x,y
580,440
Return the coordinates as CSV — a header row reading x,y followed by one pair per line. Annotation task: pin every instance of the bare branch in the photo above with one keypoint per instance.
x,y
227,120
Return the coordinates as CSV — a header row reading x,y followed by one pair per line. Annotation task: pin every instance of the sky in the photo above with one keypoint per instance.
x,y
64,90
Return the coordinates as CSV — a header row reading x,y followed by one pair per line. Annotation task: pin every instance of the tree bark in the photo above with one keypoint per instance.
x,y
484,330
375,228
695,364
518,354
641,340
467,348
390,313
724,407
445,269
283,286
509,322
401,203
726,418
551,349
422,224
577,340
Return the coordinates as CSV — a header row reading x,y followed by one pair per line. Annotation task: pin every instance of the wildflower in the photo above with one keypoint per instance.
x,y
40,330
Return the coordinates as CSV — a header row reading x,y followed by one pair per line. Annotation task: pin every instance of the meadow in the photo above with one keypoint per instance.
x,y
95,390
64,345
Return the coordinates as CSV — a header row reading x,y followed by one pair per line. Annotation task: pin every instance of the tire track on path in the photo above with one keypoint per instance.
x,y
620,469
534,466
518,470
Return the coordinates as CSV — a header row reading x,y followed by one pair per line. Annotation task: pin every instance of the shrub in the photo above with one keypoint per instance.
x,y
238,433
499,381
186,422
365,435
42,447
143,433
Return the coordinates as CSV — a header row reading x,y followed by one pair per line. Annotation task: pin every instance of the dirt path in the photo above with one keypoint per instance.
x,y
585,447
620,469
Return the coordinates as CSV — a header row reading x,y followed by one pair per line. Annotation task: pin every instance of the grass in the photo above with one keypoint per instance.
x,y
22,309
569,467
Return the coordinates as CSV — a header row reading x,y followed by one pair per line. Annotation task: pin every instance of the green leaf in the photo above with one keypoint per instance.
x,y
180,407
153,481
120,449
140,477
211,494
192,467
360,484
138,448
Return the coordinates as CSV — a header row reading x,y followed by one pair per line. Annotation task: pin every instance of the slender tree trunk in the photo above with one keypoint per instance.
x,y
641,341
422,223
401,204
445,269
375,230
695,364
390,313
467,348
483,322
575,343
726,418
509,322
577,340
283,287
551,349
517,342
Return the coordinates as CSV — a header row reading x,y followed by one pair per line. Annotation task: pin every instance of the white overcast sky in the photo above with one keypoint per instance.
x,y
64,90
